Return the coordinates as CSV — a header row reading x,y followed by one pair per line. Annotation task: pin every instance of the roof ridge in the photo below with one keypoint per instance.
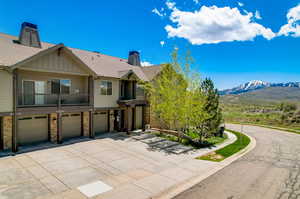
x,y
90,51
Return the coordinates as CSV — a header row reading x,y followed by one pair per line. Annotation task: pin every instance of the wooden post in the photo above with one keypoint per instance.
x,y
91,124
82,123
133,116
126,117
59,127
14,116
49,127
108,121
91,91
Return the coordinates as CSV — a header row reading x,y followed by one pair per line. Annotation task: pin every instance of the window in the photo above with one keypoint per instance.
x,y
139,90
65,86
106,88
62,86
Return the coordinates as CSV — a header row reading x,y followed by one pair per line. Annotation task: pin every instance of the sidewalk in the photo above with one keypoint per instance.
x,y
112,167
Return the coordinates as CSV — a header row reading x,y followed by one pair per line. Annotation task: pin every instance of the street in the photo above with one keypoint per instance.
x,y
271,170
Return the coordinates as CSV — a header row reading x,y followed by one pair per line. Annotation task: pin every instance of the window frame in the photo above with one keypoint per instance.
x,y
106,86
60,86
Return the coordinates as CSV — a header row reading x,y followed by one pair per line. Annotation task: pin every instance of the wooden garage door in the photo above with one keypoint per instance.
x,y
139,117
100,122
32,129
71,126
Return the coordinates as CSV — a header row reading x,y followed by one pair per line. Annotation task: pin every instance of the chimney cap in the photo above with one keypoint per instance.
x,y
133,52
31,25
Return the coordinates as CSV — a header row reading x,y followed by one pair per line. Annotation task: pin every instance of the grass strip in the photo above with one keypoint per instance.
x,y
223,153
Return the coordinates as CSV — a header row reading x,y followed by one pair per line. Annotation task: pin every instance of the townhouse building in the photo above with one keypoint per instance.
x,y
51,93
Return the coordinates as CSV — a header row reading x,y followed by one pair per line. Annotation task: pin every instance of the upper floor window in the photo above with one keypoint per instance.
x,y
106,88
139,90
60,86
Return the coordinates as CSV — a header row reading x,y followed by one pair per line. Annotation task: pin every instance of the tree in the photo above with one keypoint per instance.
x,y
179,101
211,106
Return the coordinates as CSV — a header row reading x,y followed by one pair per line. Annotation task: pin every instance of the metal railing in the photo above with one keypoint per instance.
x,y
28,100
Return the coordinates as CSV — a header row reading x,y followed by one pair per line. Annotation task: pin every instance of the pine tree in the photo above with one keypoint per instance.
x,y
211,106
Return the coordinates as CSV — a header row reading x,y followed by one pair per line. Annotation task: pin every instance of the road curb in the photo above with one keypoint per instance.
x,y
177,189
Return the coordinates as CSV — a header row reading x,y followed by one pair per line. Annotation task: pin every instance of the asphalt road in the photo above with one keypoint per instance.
x,y
270,170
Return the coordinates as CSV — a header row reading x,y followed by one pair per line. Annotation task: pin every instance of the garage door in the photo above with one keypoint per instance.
x,y
71,126
139,117
100,122
32,129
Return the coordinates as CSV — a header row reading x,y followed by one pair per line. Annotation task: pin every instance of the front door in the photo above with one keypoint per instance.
x,y
117,120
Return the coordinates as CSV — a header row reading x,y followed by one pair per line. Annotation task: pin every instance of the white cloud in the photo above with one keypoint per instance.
x,y
170,5
292,28
257,15
211,25
145,63
240,4
196,1
156,11
162,43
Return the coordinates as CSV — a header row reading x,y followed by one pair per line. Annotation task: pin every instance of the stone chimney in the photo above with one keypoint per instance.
x,y
134,58
29,35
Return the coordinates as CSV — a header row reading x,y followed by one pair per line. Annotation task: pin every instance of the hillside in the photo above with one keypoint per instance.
x,y
257,85
264,96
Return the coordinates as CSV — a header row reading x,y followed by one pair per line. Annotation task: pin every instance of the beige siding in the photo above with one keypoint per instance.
x,y
78,83
106,100
6,94
53,62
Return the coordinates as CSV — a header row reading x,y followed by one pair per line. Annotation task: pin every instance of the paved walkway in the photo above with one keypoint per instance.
x,y
270,171
122,166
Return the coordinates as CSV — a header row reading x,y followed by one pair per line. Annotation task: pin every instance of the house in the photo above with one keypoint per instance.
x,y
51,93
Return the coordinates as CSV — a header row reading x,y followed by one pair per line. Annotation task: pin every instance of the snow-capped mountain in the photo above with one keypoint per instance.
x,y
255,85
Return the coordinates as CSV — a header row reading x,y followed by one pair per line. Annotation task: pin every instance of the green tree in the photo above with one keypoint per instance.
x,y
179,101
211,106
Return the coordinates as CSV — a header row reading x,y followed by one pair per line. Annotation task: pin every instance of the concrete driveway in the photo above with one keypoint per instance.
x,y
129,167
271,170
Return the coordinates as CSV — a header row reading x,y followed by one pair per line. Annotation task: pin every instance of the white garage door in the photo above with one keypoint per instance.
x,y
100,122
71,126
139,117
32,129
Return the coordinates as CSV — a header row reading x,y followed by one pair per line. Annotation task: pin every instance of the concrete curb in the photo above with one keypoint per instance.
x,y
177,189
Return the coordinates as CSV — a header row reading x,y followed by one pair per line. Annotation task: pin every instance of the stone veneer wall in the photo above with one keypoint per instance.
x,y
53,127
7,132
111,121
86,124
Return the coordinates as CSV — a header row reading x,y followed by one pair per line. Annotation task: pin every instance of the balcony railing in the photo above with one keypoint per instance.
x,y
29,100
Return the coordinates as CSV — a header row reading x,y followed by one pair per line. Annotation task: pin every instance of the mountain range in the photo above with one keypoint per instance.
x,y
257,85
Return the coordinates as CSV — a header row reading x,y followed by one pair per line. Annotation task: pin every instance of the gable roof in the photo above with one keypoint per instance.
x,y
102,65
152,71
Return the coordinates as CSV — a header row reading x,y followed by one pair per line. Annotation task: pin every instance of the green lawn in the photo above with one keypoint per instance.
x,y
223,153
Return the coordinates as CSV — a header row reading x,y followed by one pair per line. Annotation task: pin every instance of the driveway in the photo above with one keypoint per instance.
x,y
125,167
271,170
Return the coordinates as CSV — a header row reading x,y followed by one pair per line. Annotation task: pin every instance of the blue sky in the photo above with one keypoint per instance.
x,y
232,41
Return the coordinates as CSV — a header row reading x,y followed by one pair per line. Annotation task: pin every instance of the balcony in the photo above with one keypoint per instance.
x,y
51,100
